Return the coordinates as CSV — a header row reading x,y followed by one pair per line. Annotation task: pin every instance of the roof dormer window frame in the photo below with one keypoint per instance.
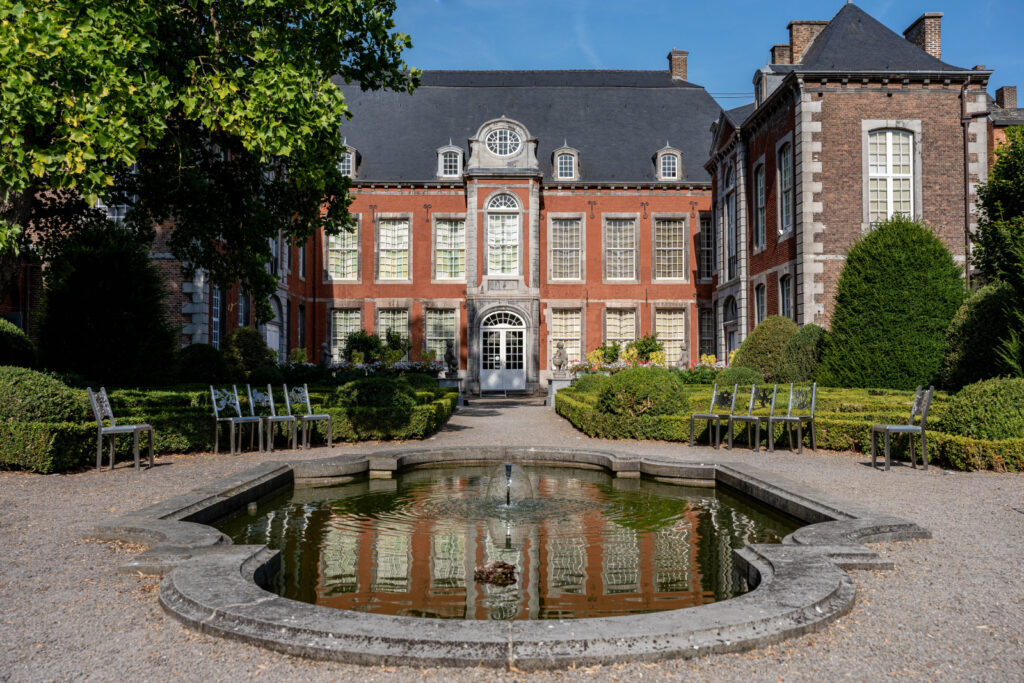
x,y
444,157
558,169
669,164
348,163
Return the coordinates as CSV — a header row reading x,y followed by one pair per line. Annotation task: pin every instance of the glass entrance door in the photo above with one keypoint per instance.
x,y
502,352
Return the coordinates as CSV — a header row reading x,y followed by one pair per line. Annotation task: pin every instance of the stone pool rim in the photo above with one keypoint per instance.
x,y
213,586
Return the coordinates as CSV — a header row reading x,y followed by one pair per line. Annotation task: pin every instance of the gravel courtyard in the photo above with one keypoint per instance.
x,y
952,610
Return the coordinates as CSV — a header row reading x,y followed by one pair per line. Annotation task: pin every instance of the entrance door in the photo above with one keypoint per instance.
x,y
502,352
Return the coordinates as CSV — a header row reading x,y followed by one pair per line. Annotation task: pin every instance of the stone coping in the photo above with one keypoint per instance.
x,y
216,587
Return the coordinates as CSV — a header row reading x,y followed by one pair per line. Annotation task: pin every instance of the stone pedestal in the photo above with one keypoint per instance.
x,y
554,384
452,383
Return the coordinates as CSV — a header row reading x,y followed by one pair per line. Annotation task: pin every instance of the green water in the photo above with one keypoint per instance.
x,y
587,544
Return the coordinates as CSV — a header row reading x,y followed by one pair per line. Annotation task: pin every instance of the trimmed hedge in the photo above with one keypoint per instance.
x,y
802,354
30,396
992,409
738,374
15,346
201,363
640,391
764,348
46,447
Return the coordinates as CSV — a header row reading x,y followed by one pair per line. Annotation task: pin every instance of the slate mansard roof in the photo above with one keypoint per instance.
x,y
617,120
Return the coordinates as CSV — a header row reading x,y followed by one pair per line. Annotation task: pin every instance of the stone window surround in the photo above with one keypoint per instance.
x,y
631,305
440,161
550,306
342,304
687,308
406,215
669,151
781,235
569,215
685,217
326,254
785,274
443,305
710,224
635,217
759,280
484,256
574,153
434,218
912,126
758,163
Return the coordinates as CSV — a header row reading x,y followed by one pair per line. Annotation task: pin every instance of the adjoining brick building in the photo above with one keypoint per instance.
x,y
851,124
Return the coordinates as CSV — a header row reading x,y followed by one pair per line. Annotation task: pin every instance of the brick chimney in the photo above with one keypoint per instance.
x,y
781,54
677,64
1006,97
926,33
801,33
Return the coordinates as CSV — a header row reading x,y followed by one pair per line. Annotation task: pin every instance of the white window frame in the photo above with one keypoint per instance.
x,y
887,175
675,252
556,220
432,340
760,215
443,221
300,258
786,298
706,247
629,246
397,274
558,170
215,316
669,164
672,334
384,325
347,246
760,303
706,331
339,332
620,315
566,327
785,173
347,163
499,210
445,154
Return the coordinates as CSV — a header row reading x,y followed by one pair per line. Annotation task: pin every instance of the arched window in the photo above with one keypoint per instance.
x,y
347,163
566,167
786,203
890,174
729,311
669,167
503,235
732,227
449,162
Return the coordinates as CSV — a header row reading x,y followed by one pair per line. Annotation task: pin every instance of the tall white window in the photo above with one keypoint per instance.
x,y
706,324
670,248
890,174
669,167
244,314
730,316
760,304
286,255
394,320
620,249
732,236
346,164
706,248
786,296
786,204
393,249
301,251
343,255
215,317
566,327
503,236
566,248
619,325
451,164
344,321
759,214
566,167
671,327
440,330
450,249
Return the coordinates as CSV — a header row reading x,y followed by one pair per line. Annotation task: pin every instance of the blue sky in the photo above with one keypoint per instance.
x,y
727,40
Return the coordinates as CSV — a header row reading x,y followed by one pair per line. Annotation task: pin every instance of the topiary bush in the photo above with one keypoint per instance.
x,y
738,374
15,346
641,391
974,337
245,350
897,294
30,396
375,404
201,364
421,382
802,354
362,344
591,384
991,409
763,348
645,346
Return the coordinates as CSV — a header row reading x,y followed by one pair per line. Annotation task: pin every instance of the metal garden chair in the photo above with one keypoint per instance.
x,y
259,402
101,409
224,400
299,396
800,399
920,407
759,396
719,399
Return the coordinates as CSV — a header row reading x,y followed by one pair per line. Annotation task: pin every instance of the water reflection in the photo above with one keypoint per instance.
x,y
587,545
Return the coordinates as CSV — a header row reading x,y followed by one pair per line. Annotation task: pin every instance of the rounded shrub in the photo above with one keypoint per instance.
x,y
802,354
974,337
591,384
991,409
266,374
30,396
738,374
245,350
15,346
375,404
763,348
897,294
201,364
641,391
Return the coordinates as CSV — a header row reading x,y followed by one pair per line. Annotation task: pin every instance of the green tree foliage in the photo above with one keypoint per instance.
x,y
991,409
974,337
103,310
225,112
802,354
245,350
739,374
200,364
645,346
15,347
897,294
30,396
999,241
763,350
362,344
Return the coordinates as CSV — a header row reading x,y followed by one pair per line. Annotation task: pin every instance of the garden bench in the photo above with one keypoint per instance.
x,y
228,400
261,401
101,409
299,396
721,399
759,396
919,407
800,399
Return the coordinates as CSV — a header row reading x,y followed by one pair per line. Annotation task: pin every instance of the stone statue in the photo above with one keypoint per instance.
x,y
451,364
325,355
561,359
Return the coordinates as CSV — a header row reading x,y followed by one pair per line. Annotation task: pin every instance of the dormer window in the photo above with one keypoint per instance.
x,y
565,162
449,162
669,162
503,142
347,163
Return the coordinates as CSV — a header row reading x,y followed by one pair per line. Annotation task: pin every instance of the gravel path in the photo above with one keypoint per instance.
x,y
952,610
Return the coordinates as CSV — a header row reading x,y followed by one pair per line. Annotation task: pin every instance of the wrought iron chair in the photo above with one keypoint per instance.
x,y
719,399
760,397
261,401
224,400
800,399
299,396
101,409
922,400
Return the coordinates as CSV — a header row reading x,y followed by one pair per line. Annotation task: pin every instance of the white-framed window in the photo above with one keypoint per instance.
x,y
503,235
706,330
706,248
347,163
890,174
450,249
503,142
566,166
786,296
670,324
787,206
669,167
286,255
619,325
732,236
566,249
440,330
395,320
300,251
275,254
244,313
449,162
567,327
759,204
215,317
344,321
730,317
393,249
343,255
620,249
670,236
760,303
